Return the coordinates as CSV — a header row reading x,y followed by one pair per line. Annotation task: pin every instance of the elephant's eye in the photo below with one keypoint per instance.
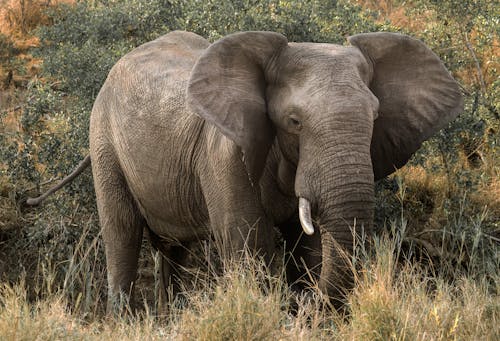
x,y
294,123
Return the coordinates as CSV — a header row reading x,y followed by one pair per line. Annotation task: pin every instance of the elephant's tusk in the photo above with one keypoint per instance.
x,y
305,216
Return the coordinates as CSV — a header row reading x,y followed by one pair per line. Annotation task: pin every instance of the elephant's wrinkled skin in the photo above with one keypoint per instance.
x,y
188,138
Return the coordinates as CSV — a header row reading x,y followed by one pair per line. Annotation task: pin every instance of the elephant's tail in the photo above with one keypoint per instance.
x,y
80,168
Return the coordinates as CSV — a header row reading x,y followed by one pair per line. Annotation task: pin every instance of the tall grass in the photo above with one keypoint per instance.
x,y
433,276
395,298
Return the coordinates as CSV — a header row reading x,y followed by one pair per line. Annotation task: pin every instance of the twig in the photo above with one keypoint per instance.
x,y
431,250
476,151
476,61
18,107
73,215
52,85
491,237
434,230
48,181
42,184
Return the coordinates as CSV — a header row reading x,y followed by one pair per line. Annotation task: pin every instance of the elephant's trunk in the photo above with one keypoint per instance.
x,y
340,189
345,212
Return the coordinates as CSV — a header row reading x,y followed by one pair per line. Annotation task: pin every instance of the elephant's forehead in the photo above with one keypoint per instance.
x,y
313,75
315,62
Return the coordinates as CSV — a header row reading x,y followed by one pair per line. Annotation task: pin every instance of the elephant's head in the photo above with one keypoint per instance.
x,y
343,117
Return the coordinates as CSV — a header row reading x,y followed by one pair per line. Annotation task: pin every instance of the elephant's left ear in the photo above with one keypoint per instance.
x,y
227,88
416,92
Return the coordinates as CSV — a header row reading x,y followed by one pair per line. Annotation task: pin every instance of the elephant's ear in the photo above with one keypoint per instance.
x,y
228,88
417,96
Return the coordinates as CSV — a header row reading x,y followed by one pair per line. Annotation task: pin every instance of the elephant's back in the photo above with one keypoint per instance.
x,y
176,51
154,74
145,92
164,63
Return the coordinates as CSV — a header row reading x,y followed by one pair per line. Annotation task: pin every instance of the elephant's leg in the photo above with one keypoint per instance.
x,y
303,254
237,217
122,226
172,259
238,228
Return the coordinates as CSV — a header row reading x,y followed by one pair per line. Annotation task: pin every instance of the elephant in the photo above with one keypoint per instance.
x,y
190,139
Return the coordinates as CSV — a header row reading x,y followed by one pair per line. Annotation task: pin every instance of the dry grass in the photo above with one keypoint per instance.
x,y
237,309
18,19
394,299
20,16
427,195
402,302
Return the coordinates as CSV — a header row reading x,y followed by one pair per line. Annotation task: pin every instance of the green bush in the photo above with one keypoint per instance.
x,y
86,40
464,39
312,20
7,49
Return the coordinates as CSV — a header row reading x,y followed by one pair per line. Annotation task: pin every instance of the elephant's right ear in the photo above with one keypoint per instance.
x,y
228,86
417,96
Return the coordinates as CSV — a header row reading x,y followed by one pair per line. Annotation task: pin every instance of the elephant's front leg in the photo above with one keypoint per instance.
x,y
236,215
240,224
303,254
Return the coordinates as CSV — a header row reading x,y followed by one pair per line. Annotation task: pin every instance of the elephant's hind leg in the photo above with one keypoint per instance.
x,y
172,258
122,226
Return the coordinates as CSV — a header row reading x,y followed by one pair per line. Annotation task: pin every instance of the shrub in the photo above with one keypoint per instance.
x,y
7,49
312,20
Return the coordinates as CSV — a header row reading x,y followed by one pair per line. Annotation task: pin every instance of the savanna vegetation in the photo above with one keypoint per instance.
x,y
434,270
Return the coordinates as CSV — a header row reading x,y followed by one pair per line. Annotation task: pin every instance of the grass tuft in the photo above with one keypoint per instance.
x,y
42,320
398,300
241,304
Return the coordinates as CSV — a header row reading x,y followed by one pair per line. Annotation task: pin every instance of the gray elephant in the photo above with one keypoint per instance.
x,y
189,138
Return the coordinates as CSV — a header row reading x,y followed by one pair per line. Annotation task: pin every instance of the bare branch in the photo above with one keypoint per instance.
x,y
476,61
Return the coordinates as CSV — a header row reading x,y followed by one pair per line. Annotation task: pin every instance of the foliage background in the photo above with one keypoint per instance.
x,y
444,207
